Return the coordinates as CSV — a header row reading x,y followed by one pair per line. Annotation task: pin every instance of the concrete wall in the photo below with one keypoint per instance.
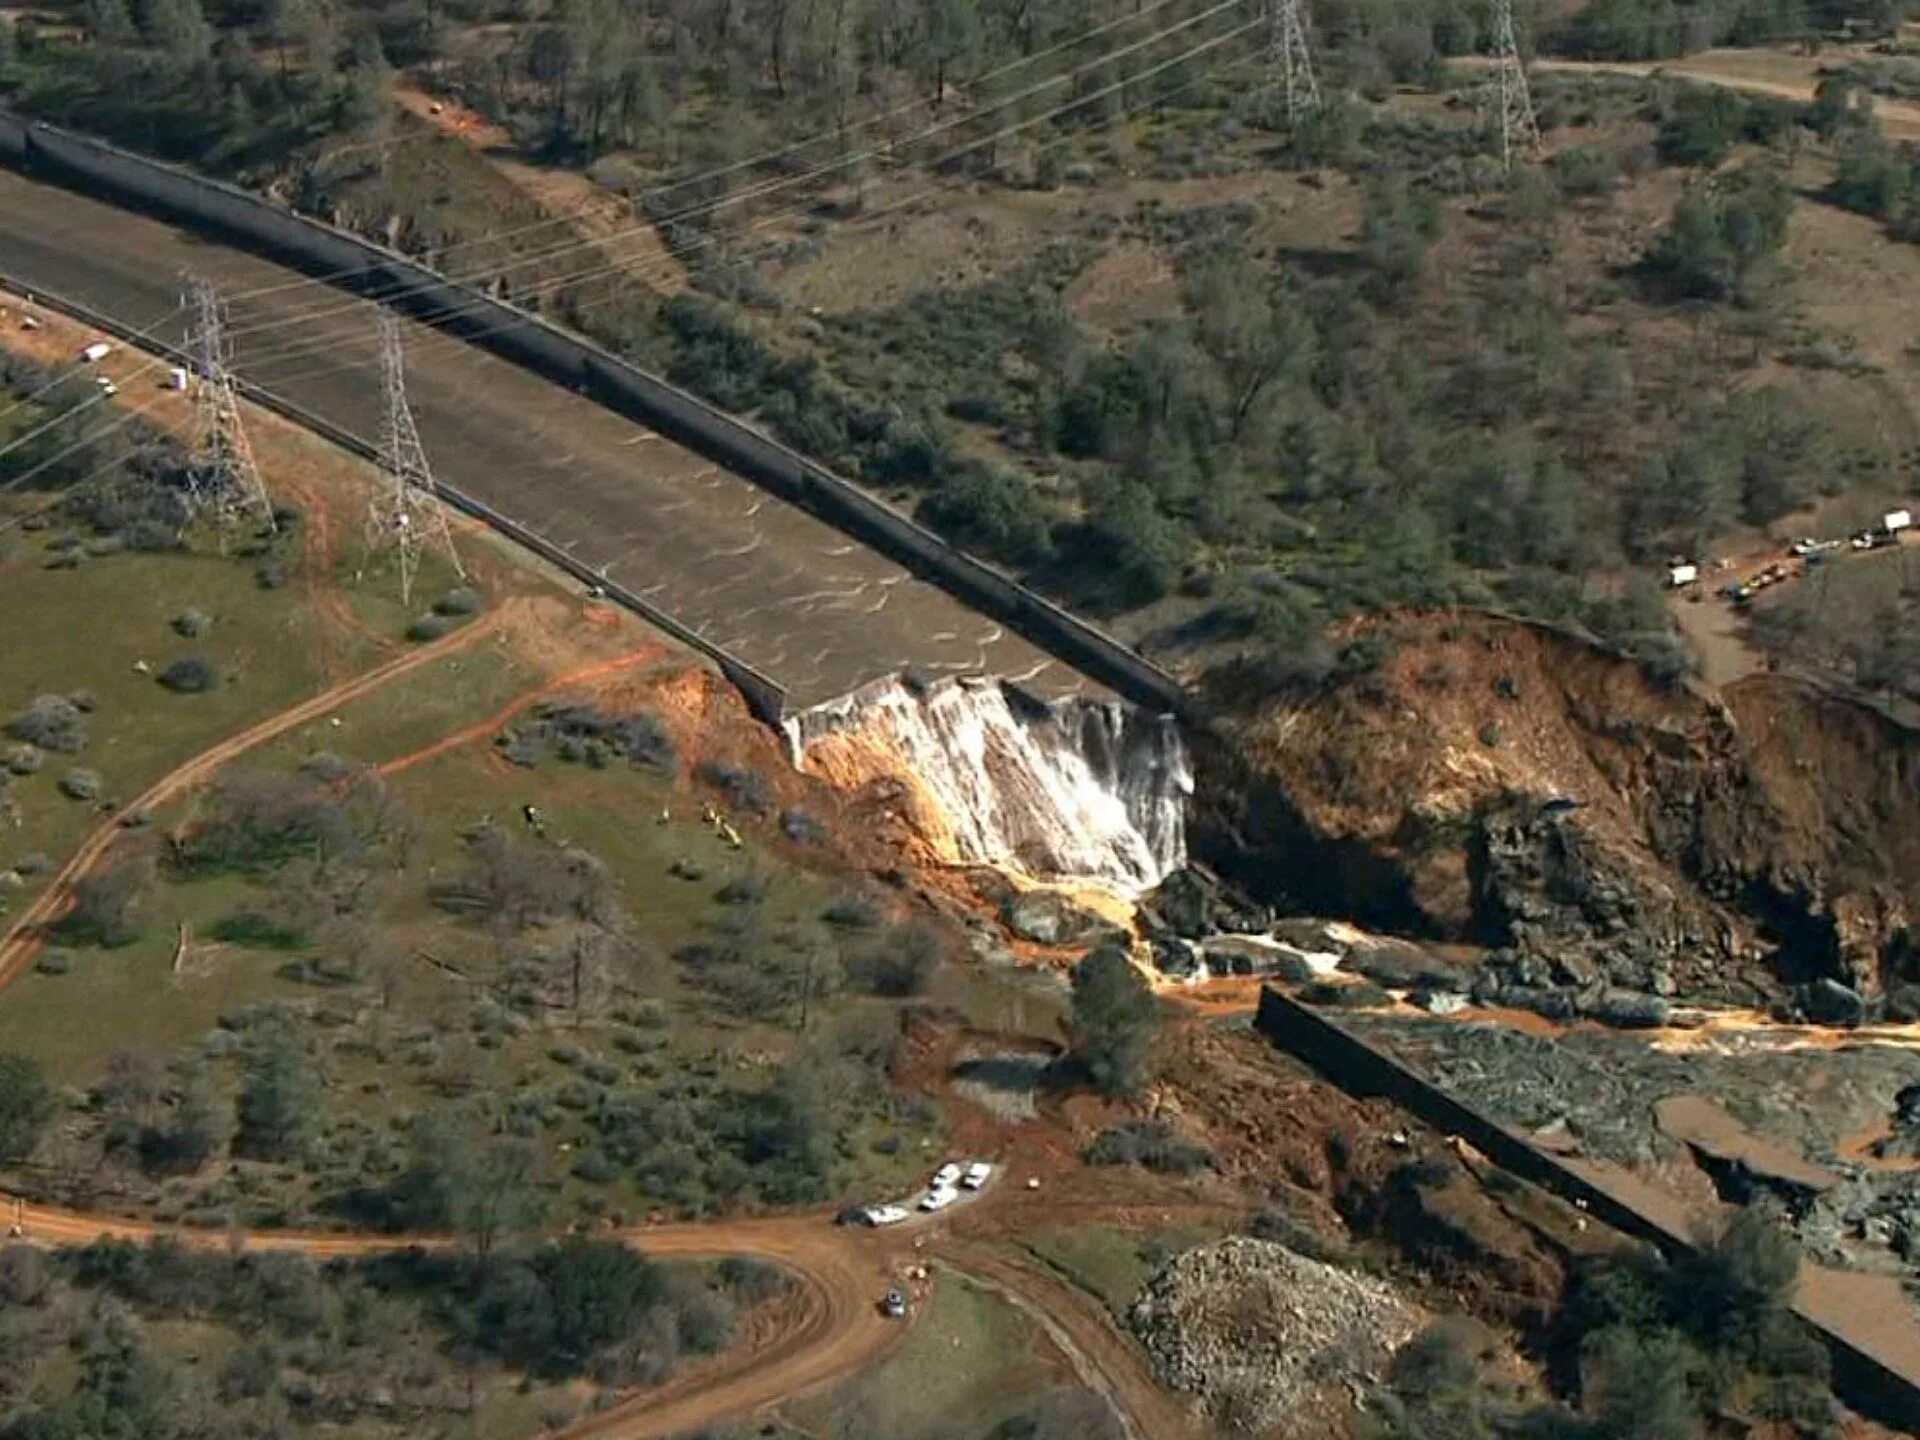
x,y
1864,1381
764,695
357,264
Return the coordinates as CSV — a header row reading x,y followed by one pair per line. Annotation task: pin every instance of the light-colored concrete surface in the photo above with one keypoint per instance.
x,y
787,593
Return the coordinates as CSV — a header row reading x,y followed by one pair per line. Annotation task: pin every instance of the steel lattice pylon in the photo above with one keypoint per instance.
x,y
223,483
1288,56
404,514
1507,92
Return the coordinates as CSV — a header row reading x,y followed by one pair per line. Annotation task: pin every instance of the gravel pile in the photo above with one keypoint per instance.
x,y
1255,1331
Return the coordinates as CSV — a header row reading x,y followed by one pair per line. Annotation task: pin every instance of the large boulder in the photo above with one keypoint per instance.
x,y
1260,955
1047,917
1631,1010
1828,1002
1399,965
1184,903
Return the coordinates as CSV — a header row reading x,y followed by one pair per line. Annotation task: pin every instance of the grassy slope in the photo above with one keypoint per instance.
x,y
970,1360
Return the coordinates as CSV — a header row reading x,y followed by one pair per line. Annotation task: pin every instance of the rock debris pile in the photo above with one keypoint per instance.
x,y
1256,1332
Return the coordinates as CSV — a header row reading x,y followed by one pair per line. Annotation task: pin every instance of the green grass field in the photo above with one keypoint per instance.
x,y
1107,1262
970,1361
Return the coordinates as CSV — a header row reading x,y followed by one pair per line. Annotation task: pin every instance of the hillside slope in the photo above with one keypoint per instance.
x,y
1510,786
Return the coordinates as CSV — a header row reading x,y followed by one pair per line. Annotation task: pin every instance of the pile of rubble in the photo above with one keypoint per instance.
x,y
1258,1333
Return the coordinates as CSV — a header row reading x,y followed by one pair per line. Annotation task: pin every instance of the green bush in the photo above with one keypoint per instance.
x,y
1152,1143
190,675
431,627
992,510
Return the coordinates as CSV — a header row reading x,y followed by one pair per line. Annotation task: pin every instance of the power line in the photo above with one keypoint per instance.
x,y
466,337
287,322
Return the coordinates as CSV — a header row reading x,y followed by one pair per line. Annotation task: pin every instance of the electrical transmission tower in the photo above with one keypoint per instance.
x,y
1288,56
404,515
1507,92
223,483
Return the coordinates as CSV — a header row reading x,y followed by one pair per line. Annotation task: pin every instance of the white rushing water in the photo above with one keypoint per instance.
x,y
1078,789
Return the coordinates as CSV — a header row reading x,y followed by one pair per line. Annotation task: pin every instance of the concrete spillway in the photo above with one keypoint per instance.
x,y
784,591
1077,788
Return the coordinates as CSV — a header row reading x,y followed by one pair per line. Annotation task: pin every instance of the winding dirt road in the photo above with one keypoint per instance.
x,y
24,937
826,1327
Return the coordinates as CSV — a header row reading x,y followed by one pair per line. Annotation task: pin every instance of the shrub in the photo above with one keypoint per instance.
x,y
993,510
745,889
900,965
54,962
1152,1143
24,760
191,624
430,627
1723,232
740,787
190,675
80,784
801,828
261,931
853,911
27,1104
1114,1021
105,905
461,600
51,722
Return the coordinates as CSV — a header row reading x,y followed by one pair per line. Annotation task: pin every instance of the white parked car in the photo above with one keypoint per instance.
x,y
946,1177
939,1198
107,387
977,1174
99,350
878,1215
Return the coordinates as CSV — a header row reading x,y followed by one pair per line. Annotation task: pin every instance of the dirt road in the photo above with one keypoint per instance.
x,y
23,939
828,1326
1782,74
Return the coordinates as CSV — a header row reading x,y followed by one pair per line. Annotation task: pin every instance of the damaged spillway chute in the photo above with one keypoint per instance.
x,y
1078,788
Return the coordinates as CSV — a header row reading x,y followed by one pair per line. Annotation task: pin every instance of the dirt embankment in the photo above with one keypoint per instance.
x,y
1509,786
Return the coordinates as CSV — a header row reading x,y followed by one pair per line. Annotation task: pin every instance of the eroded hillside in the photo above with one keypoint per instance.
x,y
1504,784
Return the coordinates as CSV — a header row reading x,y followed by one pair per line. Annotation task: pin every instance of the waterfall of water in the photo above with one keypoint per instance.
x,y
1078,789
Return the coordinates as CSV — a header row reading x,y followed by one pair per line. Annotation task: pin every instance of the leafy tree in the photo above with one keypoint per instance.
x,y
1114,1021
993,510
462,1176
108,21
1729,1290
953,37
27,1104
1398,226
106,905
1722,234
1873,177
1258,341
180,29
1840,102
1700,126
597,1291
1638,1384
279,1095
